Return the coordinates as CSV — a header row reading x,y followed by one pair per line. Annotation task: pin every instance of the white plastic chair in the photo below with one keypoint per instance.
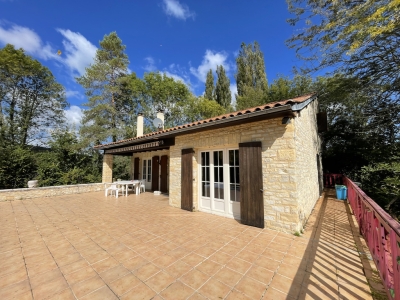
x,y
142,186
115,188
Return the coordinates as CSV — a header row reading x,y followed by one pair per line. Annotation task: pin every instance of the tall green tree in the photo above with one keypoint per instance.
x,y
251,79
222,92
163,93
284,87
31,100
103,81
200,108
358,38
210,89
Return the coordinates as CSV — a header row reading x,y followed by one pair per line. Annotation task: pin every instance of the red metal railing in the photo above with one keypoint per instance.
x,y
331,179
382,234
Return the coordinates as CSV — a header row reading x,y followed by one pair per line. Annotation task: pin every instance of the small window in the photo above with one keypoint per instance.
x,y
234,175
144,169
149,170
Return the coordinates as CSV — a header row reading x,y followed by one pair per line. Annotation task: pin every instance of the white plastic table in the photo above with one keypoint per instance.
x,y
127,183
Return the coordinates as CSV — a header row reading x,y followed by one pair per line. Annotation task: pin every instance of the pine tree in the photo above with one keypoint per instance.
x,y
103,84
251,79
222,91
210,90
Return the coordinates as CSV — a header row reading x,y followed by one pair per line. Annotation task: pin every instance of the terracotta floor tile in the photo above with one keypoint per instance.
x,y
50,288
15,290
103,293
135,263
177,291
197,296
43,278
66,294
214,289
105,264
348,291
45,267
236,295
193,259
261,274
160,281
152,254
87,286
195,278
80,275
209,267
68,259
286,285
228,276
146,271
250,287
98,256
114,273
124,255
247,256
139,292
221,257
178,269
164,261
238,265
205,251
12,278
123,284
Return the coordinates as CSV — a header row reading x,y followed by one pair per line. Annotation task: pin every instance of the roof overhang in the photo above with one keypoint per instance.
x,y
275,112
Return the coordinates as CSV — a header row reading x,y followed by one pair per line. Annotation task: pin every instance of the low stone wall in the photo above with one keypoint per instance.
x,y
48,191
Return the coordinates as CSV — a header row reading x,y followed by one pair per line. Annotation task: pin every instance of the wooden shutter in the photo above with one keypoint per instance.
x,y
136,168
251,184
164,174
187,179
155,173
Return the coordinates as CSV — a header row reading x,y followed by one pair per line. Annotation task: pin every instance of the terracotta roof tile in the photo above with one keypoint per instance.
x,y
292,101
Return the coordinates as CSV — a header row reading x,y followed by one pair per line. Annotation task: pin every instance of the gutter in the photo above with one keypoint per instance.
x,y
284,109
300,106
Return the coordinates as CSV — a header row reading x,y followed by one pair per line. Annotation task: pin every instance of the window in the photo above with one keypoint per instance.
x,y
205,174
147,170
234,185
219,174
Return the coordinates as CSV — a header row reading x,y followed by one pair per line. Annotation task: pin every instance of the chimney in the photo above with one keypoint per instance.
x,y
160,115
139,125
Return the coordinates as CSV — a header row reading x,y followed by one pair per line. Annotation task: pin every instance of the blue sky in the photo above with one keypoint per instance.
x,y
184,38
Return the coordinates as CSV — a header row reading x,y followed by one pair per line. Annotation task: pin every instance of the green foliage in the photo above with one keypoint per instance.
x,y
17,167
284,88
210,90
164,93
107,87
121,167
222,91
359,38
30,98
251,79
200,108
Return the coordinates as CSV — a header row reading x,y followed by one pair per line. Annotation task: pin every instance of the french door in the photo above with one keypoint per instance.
x,y
219,187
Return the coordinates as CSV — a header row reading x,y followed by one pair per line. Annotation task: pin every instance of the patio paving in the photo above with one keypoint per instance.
x,y
87,246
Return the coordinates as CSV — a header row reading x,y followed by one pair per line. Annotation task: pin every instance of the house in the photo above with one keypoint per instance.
x,y
259,165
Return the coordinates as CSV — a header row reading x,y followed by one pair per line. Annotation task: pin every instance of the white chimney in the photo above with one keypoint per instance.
x,y
160,115
139,125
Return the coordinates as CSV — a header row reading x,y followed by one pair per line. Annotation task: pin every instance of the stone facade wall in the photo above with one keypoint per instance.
x,y
107,168
28,193
278,162
308,146
147,155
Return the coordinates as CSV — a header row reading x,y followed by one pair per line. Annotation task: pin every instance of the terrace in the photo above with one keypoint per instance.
x,y
87,246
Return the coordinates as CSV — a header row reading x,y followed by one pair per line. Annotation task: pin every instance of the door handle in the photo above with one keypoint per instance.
x,y
261,190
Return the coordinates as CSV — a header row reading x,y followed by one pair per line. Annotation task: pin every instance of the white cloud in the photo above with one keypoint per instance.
x,y
27,39
210,61
74,116
175,9
73,94
151,65
233,88
79,52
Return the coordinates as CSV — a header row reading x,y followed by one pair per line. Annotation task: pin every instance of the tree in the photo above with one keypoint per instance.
x,y
222,91
31,100
163,93
285,88
251,79
358,38
200,108
209,92
104,86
